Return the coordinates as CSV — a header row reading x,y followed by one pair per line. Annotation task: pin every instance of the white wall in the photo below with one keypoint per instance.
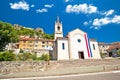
x,y
95,52
75,46
78,46
62,54
49,47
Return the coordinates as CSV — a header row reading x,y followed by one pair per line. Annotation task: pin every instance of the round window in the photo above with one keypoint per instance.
x,y
79,40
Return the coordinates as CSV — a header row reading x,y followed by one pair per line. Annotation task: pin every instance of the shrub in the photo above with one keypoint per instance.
x,y
34,57
21,51
7,56
118,52
27,56
24,56
45,57
102,55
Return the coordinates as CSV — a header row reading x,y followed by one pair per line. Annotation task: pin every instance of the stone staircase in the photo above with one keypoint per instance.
x,y
82,63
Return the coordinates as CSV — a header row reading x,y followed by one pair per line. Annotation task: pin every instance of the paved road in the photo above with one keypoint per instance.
x,y
91,76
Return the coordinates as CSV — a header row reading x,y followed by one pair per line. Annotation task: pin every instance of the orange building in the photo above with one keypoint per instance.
x,y
35,44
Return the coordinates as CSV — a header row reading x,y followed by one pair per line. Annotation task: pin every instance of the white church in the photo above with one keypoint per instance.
x,y
76,45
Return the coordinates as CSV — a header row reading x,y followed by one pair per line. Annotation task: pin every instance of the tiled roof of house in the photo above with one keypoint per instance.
x,y
32,39
114,47
62,38
27,39
93,40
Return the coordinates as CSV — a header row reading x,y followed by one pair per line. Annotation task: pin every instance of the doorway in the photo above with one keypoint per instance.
x,y
81,55
110,54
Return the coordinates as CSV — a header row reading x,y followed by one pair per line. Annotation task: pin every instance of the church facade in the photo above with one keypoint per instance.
x,y
76,45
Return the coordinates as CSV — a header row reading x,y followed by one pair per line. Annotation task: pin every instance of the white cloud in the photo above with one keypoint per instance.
x,y
87,23
41,10
20,5
45,9
110,12
116,19
33,5
66,0
49,6
97,23
101,22
83,8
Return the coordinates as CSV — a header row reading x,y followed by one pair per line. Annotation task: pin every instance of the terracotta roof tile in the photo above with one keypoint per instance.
x,y
32,39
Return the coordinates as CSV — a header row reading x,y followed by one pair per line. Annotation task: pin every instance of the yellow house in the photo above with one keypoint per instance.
x,y
35,44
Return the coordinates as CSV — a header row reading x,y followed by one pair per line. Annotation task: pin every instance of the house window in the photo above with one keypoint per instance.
x,y
36,45
43,42
36,41
24,41
46,42
30,45
30,41
94,46
63,46
24,45
43,46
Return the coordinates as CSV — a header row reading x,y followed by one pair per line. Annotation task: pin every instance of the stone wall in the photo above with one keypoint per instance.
x,y
21,66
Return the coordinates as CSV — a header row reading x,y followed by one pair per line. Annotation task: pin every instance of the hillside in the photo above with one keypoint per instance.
x,y
11,33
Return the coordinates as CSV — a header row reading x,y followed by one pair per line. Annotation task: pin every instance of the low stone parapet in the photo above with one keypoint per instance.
x,y
21,66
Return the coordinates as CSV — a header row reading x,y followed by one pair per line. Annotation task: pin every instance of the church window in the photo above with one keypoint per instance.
x,y
58,28
79,40
63,46
94,46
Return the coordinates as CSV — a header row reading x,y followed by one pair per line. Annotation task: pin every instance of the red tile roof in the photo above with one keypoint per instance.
x,y
114,47
32,39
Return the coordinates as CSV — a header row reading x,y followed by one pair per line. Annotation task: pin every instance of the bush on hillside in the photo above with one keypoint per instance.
x,y
7,56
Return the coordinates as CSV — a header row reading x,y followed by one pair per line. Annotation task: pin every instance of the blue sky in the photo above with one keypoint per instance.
x,y
99,18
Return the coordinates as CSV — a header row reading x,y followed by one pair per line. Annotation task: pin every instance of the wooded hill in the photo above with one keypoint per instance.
x,y
11,33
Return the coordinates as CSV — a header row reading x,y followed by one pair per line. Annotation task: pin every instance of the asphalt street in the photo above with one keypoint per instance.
x,y
113,75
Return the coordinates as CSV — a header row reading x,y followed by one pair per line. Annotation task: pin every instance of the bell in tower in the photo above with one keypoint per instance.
x,y
58,29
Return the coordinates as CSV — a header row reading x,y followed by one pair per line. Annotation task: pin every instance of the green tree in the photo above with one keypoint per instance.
x,y
45,57
10,34
34,57
102,55
24,56
1,57
19,56
7,56
47,36
21,51
7,35
118,52
27,56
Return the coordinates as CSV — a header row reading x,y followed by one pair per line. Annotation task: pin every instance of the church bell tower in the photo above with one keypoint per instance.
x,y
58,29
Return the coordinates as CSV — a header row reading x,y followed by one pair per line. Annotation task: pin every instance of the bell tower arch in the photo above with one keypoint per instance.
x,y
58,29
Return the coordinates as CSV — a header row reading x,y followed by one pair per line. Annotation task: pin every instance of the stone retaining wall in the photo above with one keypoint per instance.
x,y
21,66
